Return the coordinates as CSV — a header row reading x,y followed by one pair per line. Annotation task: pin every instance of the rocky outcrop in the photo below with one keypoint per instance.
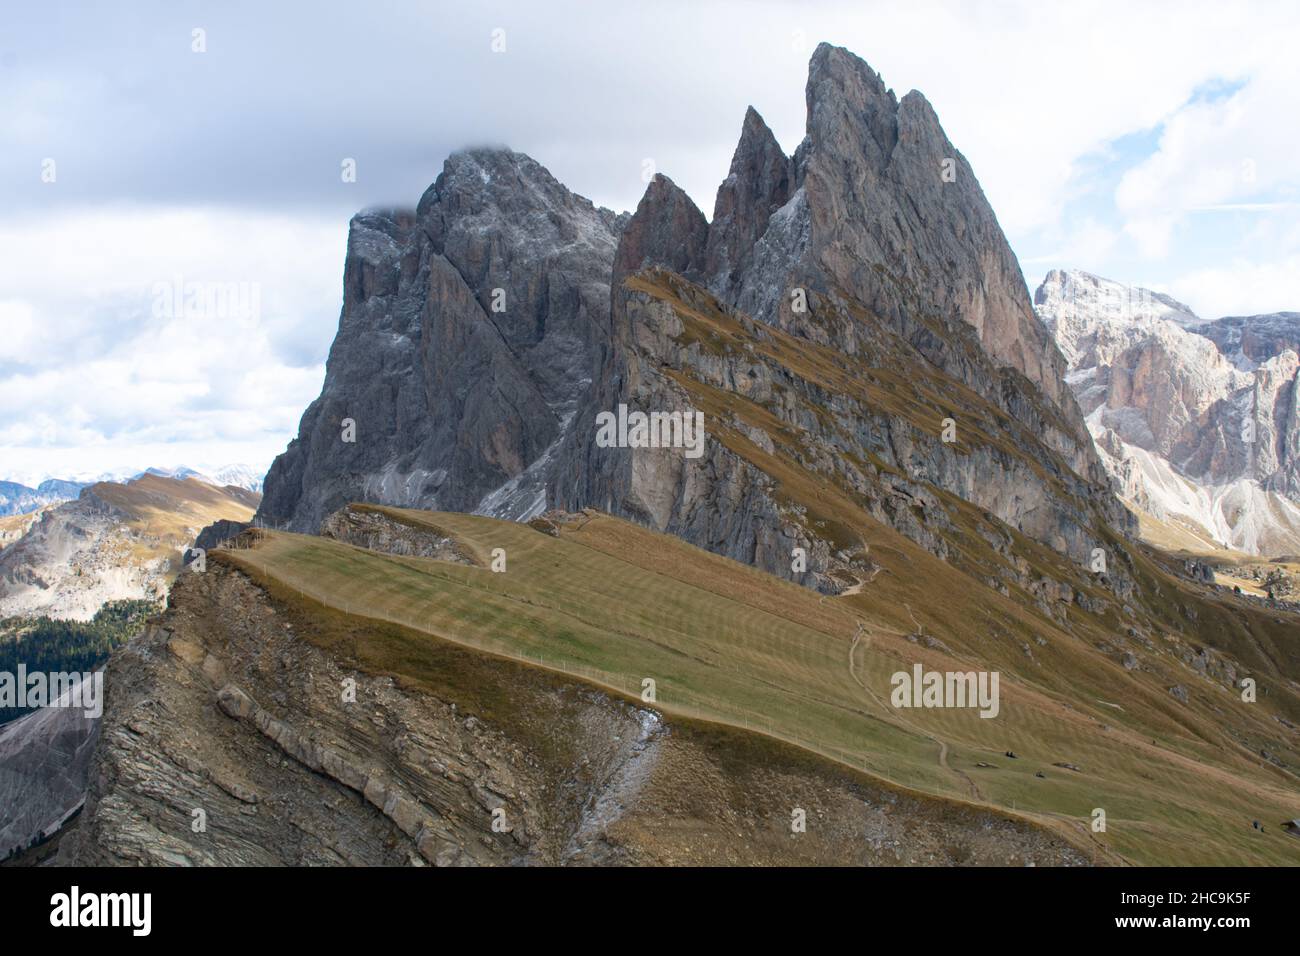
x,y
761,180
890,214
1253,339
667,229
779,406
463,346
219,532
14,527
378,531
235,735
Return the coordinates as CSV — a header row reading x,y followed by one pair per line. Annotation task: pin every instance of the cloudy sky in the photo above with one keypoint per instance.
x,y
1154,143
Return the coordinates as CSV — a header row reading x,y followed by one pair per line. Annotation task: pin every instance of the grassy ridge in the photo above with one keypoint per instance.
x,y
613,603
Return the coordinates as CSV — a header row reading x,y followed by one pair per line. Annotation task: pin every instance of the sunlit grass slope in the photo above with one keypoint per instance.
x,y
615,604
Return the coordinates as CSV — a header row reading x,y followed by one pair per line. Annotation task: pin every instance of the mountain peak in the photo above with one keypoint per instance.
x,y
845,95
464,340
498,183
1195,417
845,67
1073,292
754,127
759,182
481,171
488,162
897,220
667,229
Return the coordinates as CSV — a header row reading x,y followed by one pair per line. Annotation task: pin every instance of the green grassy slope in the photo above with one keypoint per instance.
x,y
615,604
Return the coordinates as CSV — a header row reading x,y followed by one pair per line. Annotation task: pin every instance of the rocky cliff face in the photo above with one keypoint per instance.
x,y
898,222
1197,420
760,182
1249,340
463,347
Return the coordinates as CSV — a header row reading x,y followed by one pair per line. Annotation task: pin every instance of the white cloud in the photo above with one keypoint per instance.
x,y
1241,288
17,330
1028,90
224,167
92,379
1086,245
1229,154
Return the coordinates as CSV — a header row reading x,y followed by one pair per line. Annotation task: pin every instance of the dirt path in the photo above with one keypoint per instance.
x,y
852,648
943,744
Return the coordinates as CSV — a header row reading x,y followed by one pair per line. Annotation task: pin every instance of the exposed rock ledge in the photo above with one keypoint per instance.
x,y
391,800
376,531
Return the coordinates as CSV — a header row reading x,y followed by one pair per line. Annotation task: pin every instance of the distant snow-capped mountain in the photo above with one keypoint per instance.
x,y
23,495
238,476
1196,420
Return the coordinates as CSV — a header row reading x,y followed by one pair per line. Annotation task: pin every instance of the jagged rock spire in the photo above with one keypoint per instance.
x,y
760,182
898,220
846,98
666,230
